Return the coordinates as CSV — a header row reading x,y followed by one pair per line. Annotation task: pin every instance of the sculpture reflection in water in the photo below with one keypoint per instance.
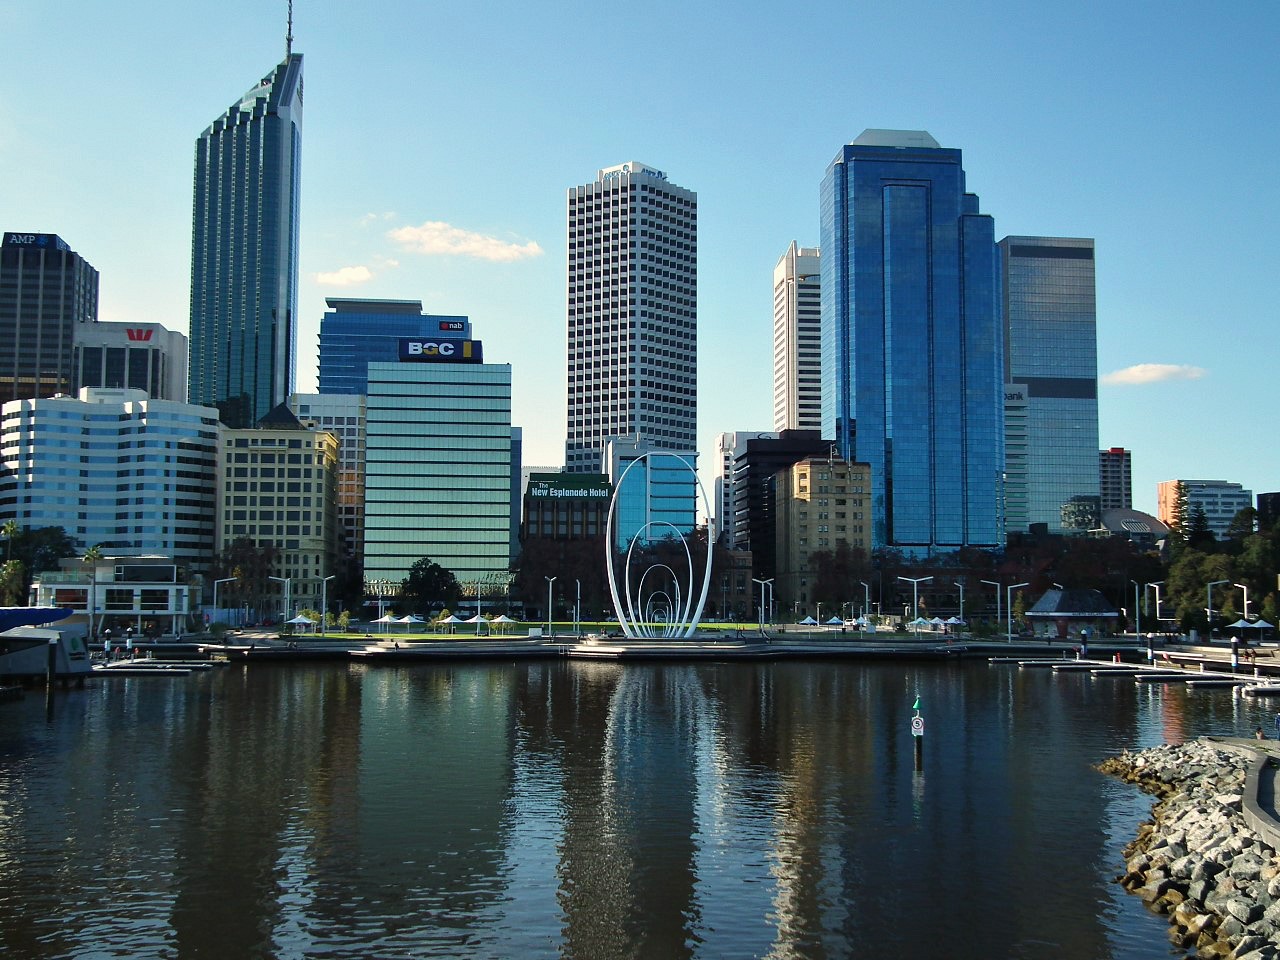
x,y
659,613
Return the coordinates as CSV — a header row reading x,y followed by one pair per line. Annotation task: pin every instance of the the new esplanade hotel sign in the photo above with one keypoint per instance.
x,y
441,350
564,486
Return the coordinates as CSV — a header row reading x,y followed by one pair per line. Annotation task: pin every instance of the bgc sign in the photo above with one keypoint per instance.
x,y
441,351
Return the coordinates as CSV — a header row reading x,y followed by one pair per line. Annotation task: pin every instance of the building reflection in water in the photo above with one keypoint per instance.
x,y
582,810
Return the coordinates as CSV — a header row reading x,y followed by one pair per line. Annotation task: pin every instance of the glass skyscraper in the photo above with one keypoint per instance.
x,y
244,251
912,350
48,292
1051,359
632,314
355,333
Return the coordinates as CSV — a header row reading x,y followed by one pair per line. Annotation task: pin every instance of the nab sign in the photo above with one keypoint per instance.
x,y
441,351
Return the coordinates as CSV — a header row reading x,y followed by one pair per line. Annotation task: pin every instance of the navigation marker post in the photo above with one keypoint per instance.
x,y
917,734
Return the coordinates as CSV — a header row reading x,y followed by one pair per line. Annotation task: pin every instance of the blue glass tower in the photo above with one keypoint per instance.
x,y
355,333
912,346
244,251
1051,363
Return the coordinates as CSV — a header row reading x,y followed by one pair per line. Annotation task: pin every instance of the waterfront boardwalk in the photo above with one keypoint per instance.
x,y
1118,658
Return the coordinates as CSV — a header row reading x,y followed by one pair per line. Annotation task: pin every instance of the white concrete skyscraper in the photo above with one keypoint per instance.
x,y
632,314
797,340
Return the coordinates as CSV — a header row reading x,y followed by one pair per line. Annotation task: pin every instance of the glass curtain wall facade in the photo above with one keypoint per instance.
x,y
912,348
244,251
438,469
632,314
47,293
1051,355
657,499
797,340
355,333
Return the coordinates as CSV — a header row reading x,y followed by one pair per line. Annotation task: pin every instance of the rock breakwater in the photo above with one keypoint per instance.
x,y
1198,860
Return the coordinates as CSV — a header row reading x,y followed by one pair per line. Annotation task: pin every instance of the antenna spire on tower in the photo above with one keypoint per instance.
x,y
288,37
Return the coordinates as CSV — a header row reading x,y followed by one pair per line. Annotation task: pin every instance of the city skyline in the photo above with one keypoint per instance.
x,y
442,178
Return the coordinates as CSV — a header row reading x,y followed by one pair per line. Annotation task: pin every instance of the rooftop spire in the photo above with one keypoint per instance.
x,y
288,37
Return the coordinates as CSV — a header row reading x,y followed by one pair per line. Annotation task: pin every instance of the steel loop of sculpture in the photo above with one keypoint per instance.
x,y
658,614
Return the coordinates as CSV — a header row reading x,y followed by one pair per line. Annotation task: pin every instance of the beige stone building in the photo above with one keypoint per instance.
x,y
821,503
279,486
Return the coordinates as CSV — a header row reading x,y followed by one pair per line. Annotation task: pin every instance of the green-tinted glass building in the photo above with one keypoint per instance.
x,y
438,468
244,251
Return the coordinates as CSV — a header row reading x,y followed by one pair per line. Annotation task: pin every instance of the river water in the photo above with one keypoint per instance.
x,y
583,810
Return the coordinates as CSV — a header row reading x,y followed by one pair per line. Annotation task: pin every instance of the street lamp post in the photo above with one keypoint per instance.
x,y
998,588
215,591
915,597
1008,606
763,608
1137,609
1157,585
960,584
1208,610
1246,598
866,599
324,600
287,581
577,608
550,581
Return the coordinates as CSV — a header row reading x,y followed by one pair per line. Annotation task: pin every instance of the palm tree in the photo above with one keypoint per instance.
x,y
90,559
9,531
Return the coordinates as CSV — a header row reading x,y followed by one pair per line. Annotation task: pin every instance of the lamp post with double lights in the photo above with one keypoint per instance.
x,y
1008,606
763,584
287,581
998,587
1246,598
915,599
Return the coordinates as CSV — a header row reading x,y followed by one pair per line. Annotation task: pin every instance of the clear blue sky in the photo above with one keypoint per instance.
x,y
1151,127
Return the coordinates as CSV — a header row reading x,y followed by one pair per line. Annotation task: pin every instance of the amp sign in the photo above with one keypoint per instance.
x,y
441,351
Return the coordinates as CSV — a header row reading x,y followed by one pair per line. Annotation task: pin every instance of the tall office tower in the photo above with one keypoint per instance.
x,y
244,251
1220,500
911,340
355,333
797,340
1051,355
117,470
439,464
1115,478
47,293
137,356
632,314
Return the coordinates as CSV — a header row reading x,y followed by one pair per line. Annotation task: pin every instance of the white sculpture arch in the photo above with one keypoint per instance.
x,y
678,618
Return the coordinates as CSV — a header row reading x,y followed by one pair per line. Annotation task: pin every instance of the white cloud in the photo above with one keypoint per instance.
x,y
369,218
1153,373
436,238
345,277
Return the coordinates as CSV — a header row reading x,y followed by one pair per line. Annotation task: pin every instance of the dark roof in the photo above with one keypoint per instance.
x,y
1072,603
280,418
